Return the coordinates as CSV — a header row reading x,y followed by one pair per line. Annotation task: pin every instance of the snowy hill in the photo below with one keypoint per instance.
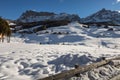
x,y
72,33
104,16
56,49
32,16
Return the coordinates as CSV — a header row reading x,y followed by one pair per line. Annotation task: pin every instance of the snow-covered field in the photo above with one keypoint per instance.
x,y
25,59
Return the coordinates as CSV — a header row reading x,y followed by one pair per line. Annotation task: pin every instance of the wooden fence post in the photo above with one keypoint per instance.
x,y
76,67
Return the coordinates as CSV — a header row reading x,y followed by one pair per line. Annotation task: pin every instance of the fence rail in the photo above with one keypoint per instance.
x,y
73,72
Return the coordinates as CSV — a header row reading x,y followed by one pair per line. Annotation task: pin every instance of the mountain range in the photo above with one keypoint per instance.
x,y
31,19
33,16
103,16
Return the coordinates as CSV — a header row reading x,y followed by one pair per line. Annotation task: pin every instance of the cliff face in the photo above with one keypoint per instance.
x,y
32,16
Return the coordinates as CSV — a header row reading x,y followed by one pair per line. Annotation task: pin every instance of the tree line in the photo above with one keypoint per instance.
x,y
5,30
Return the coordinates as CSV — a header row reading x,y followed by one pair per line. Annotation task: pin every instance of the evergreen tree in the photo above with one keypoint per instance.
x,y
44,27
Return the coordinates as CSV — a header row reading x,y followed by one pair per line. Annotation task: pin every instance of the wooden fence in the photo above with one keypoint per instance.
x,y
78,70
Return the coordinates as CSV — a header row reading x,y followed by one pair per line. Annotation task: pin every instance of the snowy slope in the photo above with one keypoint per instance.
x,y
33,61
73,33
60,49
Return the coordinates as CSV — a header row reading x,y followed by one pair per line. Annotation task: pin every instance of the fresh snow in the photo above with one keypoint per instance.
x,y
34,56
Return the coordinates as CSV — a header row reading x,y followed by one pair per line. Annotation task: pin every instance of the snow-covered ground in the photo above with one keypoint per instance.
x,y
26,59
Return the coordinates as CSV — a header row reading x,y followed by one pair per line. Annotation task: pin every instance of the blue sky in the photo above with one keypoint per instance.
x,y
12,9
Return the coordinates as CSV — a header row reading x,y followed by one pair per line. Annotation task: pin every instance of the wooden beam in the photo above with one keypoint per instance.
x,y
78,70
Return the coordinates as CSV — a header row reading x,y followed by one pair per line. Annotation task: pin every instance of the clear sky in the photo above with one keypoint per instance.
x,y
12,9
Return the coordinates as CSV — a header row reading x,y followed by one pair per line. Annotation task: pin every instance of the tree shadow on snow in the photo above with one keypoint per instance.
x,y
70,60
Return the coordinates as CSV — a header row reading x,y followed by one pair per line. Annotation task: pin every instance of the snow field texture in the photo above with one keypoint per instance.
x,y
26,59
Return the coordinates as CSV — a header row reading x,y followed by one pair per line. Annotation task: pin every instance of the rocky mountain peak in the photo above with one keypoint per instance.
x,y
33,16
103,16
